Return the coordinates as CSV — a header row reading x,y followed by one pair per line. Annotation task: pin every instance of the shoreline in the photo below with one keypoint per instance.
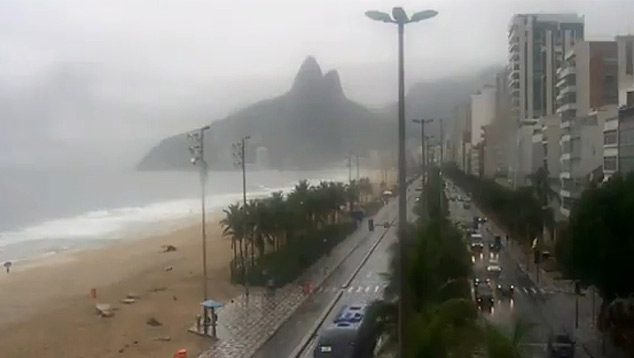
x,y
46,309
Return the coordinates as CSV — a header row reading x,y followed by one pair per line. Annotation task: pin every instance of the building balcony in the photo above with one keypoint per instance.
x,y
565,193
563,72
514,56
514,44
565,212
567,107
565,89
565,124
514,89
611,124
514,82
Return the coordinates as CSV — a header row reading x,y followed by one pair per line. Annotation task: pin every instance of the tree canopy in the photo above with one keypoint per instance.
x,y
598,246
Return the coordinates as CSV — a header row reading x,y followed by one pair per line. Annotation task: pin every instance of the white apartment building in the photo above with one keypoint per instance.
x,y
460,134
617,132
625,58
586,97
537,43
482,111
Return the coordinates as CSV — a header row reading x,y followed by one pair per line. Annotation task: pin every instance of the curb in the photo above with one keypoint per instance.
x,y
324,278
367,256
313,330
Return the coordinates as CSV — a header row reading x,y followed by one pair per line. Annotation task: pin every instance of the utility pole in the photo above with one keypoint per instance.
x,y
239,152
422,123
349,165
357,157
442,141
197,150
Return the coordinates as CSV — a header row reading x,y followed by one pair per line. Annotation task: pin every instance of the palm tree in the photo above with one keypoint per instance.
x,y
337,199
365,188
279,217
234,226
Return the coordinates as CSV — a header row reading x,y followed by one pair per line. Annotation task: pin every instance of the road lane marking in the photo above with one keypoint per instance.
x,y
350,289
359,289
533,290
367,289
376,289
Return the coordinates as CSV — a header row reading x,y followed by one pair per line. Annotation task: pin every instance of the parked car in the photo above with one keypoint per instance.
x,y
560,345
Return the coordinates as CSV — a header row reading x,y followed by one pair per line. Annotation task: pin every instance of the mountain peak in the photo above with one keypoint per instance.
x,y
332,84
308,76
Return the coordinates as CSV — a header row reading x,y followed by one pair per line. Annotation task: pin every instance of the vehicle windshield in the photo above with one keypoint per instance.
x,y
316,178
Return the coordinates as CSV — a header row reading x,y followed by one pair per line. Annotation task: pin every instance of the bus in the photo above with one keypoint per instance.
x,y
352,334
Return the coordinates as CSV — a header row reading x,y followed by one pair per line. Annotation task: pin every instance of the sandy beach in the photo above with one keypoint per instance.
x,y
46,309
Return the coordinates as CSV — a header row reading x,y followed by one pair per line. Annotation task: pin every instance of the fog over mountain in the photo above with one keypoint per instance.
x,y
312,125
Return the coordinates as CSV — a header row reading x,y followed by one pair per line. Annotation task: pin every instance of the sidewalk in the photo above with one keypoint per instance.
x,y
245,325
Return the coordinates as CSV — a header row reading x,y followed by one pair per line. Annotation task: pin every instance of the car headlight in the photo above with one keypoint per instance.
x,y
512,287
499,287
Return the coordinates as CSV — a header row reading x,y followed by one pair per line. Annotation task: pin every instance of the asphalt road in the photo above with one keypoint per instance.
x,y
540,309
367,285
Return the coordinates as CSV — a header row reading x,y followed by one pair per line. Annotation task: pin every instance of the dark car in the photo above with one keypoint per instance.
x,y
560,346
494,247
484,297
480,281
477,246
505,288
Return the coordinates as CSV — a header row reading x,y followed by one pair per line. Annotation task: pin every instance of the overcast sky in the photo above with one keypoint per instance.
x,y
79,74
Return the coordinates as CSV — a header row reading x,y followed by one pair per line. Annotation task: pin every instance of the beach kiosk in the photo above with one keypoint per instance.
x,y
209,316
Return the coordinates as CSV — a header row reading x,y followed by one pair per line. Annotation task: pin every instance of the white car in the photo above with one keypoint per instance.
x,y
494,270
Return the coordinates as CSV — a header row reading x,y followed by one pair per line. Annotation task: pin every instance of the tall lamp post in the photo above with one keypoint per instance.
x,y
400,18
239,153
197,150
422,123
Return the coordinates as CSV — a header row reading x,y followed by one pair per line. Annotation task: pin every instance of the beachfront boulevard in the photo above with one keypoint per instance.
x,y
274,325
545,305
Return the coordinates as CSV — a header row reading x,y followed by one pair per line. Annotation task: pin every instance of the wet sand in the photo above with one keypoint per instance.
x,y
46,309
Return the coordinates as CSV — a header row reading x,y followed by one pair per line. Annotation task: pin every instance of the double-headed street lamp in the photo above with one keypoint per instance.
x,y
400,18
197,151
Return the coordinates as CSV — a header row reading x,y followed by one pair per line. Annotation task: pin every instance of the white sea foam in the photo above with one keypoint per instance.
x,y
111,224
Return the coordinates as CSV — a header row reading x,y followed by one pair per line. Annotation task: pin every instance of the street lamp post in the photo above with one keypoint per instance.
x,y
239,156
400,18
422,123
197,150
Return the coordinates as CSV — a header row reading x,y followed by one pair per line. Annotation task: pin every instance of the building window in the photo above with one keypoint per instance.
x,y
629,99
609,137
609,163
629,57
610,60
610,89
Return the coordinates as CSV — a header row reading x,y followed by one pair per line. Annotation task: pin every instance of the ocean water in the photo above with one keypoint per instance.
x,y
46,212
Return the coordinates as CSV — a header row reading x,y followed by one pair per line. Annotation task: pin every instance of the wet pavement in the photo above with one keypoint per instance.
x,y
547,305
273,325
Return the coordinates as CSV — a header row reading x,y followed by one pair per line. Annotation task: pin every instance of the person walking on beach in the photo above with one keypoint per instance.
x,y
7,265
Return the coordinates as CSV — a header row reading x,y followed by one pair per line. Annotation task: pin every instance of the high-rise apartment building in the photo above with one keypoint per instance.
x,y
587,97
537,44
